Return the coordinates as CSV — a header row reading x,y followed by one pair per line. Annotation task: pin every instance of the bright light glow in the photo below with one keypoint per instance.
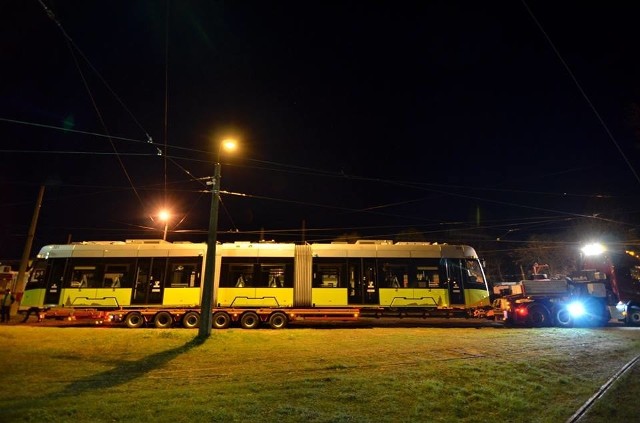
x,y
164,215
576,309
593,249
229,144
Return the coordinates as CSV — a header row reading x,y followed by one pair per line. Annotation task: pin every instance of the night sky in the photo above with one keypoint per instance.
x,y
455,120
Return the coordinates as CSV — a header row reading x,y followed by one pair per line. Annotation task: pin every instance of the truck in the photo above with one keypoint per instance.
x,y
606,286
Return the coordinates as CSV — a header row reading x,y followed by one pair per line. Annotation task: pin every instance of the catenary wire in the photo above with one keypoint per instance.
x,y
582,92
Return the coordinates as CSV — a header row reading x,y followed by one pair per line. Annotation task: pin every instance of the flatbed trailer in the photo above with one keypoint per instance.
x,y
247,318
70,314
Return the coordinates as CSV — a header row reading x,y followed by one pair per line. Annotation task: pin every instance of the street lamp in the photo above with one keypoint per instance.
x,y
164,216
204,330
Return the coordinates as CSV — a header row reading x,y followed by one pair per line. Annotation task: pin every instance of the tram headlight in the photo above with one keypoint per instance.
x,y
576,309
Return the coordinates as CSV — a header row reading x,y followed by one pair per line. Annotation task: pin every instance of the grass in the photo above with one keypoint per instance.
x,y
314,374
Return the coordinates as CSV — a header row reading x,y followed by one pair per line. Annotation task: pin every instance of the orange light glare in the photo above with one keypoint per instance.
x,y
229,144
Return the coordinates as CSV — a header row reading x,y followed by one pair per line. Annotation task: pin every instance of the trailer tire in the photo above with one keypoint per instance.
x,y
633,315
564,319
538,316
134,320
163,320
278,320
249,320
221,320
191,320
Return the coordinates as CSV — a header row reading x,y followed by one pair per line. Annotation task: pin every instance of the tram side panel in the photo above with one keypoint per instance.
x,y
115,276
262,277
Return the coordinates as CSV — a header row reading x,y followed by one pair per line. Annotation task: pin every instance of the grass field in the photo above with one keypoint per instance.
x,y
315,374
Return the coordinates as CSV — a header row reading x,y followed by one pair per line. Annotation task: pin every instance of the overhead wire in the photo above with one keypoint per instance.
x,y
149,139
373,209
51,15
73,47
282,167
582,92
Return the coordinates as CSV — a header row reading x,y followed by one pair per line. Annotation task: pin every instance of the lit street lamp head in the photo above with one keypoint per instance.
x,y
163,215
229,144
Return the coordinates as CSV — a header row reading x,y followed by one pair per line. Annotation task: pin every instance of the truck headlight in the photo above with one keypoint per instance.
x,y
576,309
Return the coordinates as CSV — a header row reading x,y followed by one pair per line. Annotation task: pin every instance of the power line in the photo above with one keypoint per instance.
x,y
584,94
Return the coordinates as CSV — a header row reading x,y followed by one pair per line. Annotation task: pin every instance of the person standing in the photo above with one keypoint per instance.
x,y
5,305
536,269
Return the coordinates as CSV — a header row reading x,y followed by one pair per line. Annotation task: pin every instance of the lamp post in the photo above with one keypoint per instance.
x,y
204,330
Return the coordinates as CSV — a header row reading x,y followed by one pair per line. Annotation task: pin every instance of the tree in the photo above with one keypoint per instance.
x,y
553,250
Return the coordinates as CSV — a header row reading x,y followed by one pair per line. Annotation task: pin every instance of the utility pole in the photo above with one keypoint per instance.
x,y
206,320
20,283
206,307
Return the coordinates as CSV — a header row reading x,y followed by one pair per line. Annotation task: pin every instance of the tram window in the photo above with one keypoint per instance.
x,y
473,273
115,276
240,275
83,277
395,275
273,275
184,274
36,279
427,277
330,280
328,275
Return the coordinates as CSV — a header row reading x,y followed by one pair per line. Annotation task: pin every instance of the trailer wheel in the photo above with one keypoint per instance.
x,y
538,316
221,320
278,320
191,320
564,318
249,320
163,320
633,316
134,320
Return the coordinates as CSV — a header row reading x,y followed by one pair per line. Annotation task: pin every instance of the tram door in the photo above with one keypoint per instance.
x,y
363,283
454,282
54,278
149,284
370,282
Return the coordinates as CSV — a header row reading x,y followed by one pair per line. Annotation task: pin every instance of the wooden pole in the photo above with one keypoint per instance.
x,y
21,282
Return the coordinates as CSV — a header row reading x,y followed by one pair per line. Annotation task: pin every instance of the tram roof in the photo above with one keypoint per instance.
x,y
363,248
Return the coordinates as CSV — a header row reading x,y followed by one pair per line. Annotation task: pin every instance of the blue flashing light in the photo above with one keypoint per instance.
x,y
576,309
